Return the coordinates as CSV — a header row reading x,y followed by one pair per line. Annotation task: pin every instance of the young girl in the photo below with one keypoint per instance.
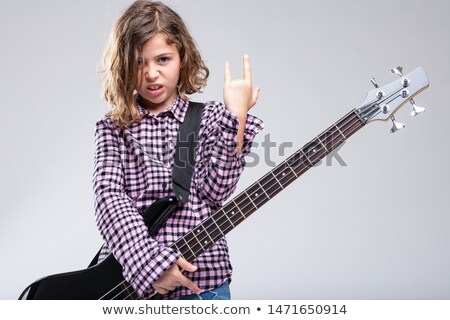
x,y
150,64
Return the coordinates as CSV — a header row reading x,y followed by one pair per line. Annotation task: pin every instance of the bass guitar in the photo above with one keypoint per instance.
x,y
105,280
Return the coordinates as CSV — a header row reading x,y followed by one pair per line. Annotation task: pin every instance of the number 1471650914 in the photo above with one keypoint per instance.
x,y
307,309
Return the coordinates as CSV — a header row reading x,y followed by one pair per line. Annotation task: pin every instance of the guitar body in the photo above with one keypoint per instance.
x,y
103,280
87,284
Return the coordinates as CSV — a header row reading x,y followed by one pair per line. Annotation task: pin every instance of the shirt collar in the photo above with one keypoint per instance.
x,y
177,109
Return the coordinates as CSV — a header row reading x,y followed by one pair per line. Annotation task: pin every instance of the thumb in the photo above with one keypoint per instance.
x,y
255,95
183,264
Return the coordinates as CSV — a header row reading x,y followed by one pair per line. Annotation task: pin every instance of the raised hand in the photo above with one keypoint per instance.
x,y
239,95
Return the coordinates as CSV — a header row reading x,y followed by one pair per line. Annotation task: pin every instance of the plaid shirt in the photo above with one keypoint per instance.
x,y
133,168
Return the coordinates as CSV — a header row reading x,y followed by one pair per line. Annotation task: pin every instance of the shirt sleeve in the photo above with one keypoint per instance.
x,y
219,165
120,224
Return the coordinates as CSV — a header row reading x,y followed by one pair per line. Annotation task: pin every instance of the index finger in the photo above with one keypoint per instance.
x,y
247,69
189,284
185,265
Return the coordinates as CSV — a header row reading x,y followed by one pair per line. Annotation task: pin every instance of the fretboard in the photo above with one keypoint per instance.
x,y
204,235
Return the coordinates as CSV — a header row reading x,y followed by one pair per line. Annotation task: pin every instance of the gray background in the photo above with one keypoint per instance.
x,y
377,228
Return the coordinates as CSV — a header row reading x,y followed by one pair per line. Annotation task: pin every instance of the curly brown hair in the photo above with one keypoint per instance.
x,y
141,21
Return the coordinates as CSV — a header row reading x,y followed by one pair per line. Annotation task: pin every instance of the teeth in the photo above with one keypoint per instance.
x,y
154,87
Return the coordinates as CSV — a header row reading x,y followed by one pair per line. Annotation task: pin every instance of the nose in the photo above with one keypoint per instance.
x,y
152,72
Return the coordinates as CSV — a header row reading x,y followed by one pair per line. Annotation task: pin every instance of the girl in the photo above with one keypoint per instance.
x,y
150,64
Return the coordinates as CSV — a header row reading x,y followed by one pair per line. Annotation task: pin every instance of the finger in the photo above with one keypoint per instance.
x,y
161,290
247,69
255,95
165,287
183,264
227,73
189,284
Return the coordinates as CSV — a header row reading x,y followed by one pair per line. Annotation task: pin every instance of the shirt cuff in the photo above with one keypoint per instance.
x,y
153,271
230,124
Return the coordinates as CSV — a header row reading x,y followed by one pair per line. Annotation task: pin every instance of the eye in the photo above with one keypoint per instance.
x,y
140,62
163,59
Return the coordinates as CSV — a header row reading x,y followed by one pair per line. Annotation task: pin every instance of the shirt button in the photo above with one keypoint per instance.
x,y
164,185
158,157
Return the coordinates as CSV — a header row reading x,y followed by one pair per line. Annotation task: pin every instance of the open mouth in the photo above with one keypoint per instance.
x,y
154,88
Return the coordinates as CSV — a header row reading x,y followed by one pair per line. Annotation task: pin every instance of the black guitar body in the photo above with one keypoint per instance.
x,y
100,281
88,284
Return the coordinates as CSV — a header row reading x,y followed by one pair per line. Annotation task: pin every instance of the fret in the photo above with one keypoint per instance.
x,y
301,150
340,131
249,198
286,174
271,188
237,207
313,147
265,190
326,150
298,159
218,227
331,139
212,229
256,195
176,246
226,216
199,236
231,215
273,174
222,222
207,233
187,245
291,169
198,241
192,239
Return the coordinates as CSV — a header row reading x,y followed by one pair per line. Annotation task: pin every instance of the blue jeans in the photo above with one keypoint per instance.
x,y
220,293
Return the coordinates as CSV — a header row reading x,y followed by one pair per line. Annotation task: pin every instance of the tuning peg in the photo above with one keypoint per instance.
x,y
374,82
416,109
398,71
396,125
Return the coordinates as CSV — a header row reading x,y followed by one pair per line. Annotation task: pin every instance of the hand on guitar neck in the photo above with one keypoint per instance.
x,y
173,278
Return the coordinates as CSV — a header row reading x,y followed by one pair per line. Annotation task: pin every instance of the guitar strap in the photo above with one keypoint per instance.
x,y
183,167
184,162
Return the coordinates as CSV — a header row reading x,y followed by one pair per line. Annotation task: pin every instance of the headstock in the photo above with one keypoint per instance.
x,y
382,103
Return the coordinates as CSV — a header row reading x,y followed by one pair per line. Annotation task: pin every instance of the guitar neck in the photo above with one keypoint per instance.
x,y
204,235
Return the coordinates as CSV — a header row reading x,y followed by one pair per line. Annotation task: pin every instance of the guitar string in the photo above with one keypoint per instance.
x,y
346,135
341,130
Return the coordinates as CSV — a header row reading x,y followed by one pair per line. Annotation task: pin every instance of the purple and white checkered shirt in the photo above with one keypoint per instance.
x,y
133,168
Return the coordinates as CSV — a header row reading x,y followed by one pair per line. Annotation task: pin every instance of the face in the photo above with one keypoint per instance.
x,y
158,73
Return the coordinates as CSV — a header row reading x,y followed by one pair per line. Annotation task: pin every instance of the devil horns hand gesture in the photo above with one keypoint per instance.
x,y
239,97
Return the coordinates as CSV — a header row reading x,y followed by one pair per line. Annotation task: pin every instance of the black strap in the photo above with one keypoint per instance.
x,y
184,161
